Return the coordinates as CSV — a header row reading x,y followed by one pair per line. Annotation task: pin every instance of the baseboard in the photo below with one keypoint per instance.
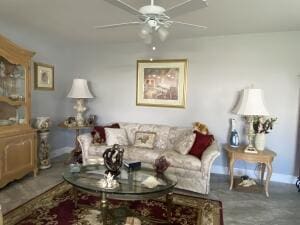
x,y
277,177
61,151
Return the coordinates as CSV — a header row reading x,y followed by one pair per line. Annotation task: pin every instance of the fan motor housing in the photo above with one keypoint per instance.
x,y
152,10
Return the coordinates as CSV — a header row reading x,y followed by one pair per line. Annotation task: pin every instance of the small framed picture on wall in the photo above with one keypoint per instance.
x,y
43,76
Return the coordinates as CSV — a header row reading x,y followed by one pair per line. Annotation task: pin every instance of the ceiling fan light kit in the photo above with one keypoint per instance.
x,y
163,33
155,19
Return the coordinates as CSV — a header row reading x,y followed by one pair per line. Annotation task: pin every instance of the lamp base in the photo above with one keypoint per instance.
x,y
250,149
80,108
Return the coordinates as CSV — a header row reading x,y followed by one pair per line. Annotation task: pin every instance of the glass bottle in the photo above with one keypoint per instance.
x,y
234,136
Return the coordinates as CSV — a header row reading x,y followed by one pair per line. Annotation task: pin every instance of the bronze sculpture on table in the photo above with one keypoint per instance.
x,y
113,159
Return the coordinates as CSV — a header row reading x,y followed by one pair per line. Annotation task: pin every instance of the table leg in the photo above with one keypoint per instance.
x,y
169,200
269,174
35,172
231,163
75,197
104,208
263,168
75,155
77,151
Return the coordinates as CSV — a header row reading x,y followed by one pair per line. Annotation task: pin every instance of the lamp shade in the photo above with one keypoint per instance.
x,y
251,103
80,89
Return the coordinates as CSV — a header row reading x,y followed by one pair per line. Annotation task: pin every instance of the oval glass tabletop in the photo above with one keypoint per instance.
x,y
130,181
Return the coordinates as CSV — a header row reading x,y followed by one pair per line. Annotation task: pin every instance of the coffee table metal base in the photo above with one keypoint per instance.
x,y
118,216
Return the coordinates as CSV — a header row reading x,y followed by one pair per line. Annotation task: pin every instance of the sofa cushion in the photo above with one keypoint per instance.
x,y
184,144
116,136
130,153
201,143
176,133
143,154
130,128
144,139
162,133
97,150
178,160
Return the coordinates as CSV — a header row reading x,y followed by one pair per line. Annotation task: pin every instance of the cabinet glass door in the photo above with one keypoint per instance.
x,y
12,93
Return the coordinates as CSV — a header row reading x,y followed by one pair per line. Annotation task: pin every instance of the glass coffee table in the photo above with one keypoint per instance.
x,y
130,188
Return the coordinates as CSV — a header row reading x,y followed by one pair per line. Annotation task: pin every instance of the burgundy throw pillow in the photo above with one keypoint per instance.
x,y
99,133
201,143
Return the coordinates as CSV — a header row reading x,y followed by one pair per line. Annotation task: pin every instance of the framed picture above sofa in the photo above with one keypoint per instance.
x,y
161,83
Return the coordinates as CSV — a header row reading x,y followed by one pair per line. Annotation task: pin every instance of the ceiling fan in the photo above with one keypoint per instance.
x,y
155,18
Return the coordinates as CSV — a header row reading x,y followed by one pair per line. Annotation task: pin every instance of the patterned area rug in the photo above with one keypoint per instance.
x,y
56,207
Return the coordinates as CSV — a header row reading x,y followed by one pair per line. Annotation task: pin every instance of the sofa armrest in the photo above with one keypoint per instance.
x,y
208,157
85,141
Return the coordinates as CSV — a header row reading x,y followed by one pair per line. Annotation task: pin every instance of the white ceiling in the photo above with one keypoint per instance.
x,y
73,20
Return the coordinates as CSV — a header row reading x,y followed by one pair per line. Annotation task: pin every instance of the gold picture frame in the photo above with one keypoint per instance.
x,y
161,83
43,76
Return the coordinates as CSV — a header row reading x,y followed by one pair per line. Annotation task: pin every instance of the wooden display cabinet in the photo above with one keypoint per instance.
x,y
18,151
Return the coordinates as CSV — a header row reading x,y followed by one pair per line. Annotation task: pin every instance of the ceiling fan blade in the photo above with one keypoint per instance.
x,y
185,7
117,25
125,6
188,24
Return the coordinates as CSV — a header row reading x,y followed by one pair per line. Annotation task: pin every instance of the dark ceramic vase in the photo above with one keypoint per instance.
x,y
161,164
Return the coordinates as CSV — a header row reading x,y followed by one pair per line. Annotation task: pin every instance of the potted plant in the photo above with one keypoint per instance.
x,y
262,126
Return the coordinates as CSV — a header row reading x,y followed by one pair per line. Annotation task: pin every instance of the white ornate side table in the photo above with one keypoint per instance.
x,y
44,149
42,124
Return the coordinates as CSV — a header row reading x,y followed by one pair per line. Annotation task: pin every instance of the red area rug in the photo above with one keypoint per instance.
x,y
56,207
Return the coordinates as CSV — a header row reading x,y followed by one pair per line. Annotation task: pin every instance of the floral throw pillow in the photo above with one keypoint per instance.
x,y
144,139
116,136
184,144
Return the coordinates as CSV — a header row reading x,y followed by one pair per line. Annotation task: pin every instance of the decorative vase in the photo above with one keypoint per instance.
x,y
44,149
161,164
42,123
234,136
260,140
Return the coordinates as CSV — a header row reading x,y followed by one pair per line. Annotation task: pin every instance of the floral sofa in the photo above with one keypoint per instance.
x,y
191,173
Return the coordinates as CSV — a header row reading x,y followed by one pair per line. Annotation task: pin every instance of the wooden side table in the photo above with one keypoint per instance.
x,y
75,156
265,157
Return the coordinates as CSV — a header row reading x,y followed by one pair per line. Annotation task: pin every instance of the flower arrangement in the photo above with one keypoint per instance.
x,y
263,125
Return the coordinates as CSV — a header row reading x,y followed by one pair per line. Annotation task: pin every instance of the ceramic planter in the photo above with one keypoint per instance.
x,y
260,141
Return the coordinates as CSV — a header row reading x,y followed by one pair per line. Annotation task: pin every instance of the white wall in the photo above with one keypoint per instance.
x,y
219,67
48,103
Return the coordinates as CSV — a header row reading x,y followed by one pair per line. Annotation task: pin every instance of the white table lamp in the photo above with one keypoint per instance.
x,y
251,104
80,91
